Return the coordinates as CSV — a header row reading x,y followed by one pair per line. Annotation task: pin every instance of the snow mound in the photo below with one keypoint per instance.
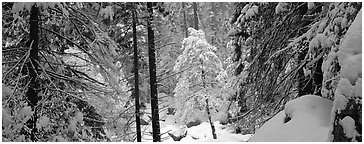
x,y
305,119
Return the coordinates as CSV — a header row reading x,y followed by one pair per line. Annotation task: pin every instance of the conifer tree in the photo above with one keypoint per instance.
x,y
196,90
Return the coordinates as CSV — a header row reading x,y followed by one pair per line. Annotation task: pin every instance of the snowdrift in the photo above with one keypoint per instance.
x,y
305,119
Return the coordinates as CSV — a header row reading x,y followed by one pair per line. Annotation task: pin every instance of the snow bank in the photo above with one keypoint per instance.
x,y
310,120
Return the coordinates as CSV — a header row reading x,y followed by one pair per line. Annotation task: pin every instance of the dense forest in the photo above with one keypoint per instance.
x,y
181,71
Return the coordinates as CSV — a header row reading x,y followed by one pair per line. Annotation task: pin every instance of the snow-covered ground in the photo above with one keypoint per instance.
x,y
200,133
310,122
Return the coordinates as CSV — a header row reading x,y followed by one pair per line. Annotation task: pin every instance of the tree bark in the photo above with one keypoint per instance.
x,y
184,20
207,105
32,66
136,77
210,121
153,77
195,15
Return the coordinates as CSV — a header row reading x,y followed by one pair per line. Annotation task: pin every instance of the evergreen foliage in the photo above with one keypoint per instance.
x,y
198,80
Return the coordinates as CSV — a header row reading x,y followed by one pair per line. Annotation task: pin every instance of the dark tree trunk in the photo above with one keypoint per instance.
x,y
213,131
153,77
184,20
136,78
195,15
32,66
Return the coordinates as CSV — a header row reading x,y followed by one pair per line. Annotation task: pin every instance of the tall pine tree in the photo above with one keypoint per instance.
x,y
153,77
136,77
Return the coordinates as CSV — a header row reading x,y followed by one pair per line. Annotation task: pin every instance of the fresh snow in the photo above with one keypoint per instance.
x,y
310,5
353,41
349,85
202,133
351,68
357,88
349,127
310,121
280,7
199,133
247,13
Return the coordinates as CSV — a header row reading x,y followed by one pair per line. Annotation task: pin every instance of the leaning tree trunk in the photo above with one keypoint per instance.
x,y
153,76
32,67
347,109
213,131
136,78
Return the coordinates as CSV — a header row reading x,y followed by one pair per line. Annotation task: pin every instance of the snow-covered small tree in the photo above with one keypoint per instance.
x,y
196,94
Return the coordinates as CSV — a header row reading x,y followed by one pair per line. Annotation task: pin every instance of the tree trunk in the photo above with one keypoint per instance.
x,y
208,106
209,117
32,66
136,78
184,20
195,15
153,77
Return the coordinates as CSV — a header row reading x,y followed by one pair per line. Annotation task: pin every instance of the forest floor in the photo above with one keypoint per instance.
x,y
199,133
304,119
